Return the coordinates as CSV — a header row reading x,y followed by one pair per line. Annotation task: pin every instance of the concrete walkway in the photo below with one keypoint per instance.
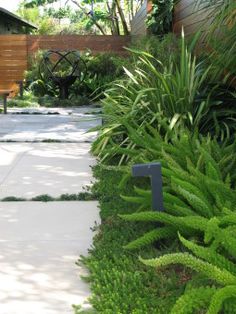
x,y
39,245
40,242
66,125
31,169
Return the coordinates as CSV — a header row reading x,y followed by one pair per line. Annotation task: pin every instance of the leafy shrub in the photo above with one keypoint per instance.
x,y
160,48
36,82
161,17
199,199
48,101
82,196
102,69
40,88
106,64
76,102
28,100
177,96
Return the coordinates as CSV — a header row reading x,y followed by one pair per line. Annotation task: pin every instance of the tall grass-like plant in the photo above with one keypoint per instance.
x,y
177,94
151,90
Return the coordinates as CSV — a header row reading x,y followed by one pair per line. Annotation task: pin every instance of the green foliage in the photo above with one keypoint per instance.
x,y
193,300
168,99
151,237
43,198
36,79
119,283
200,204
161,17
199,181
160,48
13,199
104,64
96,17
82,196
102,70
211,264
45,23
222,277
28,100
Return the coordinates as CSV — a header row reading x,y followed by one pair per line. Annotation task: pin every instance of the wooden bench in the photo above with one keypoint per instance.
x,y
5,93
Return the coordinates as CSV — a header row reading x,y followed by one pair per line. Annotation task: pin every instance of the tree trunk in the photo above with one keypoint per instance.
x,y
113,18
122,17
90,16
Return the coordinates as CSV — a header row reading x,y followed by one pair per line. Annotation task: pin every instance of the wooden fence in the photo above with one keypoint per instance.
x,y
138,24
187,14
13,60
96,44
191,17
15,51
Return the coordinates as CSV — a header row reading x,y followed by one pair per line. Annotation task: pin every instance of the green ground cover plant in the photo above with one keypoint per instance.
x,y
82,196
199,198
28,100
120,283
78,101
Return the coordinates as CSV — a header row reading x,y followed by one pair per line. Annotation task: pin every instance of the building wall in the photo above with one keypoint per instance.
x,y
8,26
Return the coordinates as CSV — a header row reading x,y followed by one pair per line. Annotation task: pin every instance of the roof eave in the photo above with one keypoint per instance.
x,y
19,19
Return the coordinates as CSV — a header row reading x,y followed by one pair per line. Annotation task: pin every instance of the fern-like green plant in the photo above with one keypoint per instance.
x,y
195,184
220,269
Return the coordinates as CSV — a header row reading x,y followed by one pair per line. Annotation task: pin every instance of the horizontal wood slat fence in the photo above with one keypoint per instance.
x,y
15,51
13,60
191,17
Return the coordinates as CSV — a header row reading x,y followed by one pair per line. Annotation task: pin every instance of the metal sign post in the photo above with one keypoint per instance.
x,y
152,170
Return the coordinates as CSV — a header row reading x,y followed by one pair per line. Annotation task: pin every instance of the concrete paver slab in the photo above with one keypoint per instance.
x,y
36,128
39,243
55,110
31,169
